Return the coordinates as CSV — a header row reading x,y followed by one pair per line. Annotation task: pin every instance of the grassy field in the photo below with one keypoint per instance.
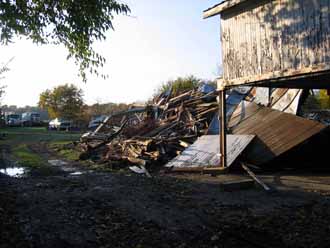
x,y
26,157
22,135
19,140
64,149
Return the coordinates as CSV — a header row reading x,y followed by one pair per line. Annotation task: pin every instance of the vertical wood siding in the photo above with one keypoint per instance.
x,y
275,36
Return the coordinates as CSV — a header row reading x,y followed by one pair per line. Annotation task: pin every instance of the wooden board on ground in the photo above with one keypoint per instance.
x,y
205,151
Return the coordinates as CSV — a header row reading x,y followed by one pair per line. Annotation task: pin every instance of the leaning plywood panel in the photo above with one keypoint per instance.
x,y
276,132
288,102
285,100
205,151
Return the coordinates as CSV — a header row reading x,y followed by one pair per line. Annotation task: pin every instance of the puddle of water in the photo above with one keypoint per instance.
x,y
57,162
77,173
73,171
14,171
68,169
62,164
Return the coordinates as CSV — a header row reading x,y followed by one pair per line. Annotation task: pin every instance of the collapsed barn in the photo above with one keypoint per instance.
x,y
181,133
274,53
153,134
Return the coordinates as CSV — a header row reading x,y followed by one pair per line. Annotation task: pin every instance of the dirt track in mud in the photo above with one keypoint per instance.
x,y
98,209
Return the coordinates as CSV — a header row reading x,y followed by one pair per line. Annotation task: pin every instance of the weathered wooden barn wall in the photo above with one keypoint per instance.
x,y
263,37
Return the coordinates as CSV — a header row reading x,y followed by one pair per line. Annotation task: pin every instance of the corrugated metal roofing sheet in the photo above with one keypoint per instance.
x,y
276,132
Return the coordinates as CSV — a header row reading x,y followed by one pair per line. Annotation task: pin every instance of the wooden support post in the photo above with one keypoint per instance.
x,y
223,128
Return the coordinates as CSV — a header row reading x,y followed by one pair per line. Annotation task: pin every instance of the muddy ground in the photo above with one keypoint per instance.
x,y
112,209
118,210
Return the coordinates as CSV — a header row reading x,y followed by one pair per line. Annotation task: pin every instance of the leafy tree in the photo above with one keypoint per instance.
x,y
64,101
324,99
179,85
182,84
107,108
103,109
76,24
3,69
2,87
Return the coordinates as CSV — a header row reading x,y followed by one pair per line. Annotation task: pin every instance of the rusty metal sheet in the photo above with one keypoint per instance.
x,y
205,151
276,132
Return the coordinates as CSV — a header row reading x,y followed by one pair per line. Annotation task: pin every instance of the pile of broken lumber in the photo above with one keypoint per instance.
x,y
155,135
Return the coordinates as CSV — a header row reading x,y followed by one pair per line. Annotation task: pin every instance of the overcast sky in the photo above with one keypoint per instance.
x,y
162,40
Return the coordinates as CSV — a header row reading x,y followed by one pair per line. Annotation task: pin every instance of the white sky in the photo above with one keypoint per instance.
x,y
167,39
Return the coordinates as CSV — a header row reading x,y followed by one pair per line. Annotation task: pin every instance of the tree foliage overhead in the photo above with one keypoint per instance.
x,y
75,23
324,99
3,70
179,85
64,101
98,109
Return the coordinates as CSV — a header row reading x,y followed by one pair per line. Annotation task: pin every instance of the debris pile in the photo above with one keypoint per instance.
x,y
156,133
168,131
322,116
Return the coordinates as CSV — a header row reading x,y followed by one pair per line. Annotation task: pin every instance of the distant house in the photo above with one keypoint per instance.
x,y
280,43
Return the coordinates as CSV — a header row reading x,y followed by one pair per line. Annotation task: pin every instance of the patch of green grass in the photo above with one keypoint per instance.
x,y
58,143
27,158
19,139
64,149
23,129
30,135
69,154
